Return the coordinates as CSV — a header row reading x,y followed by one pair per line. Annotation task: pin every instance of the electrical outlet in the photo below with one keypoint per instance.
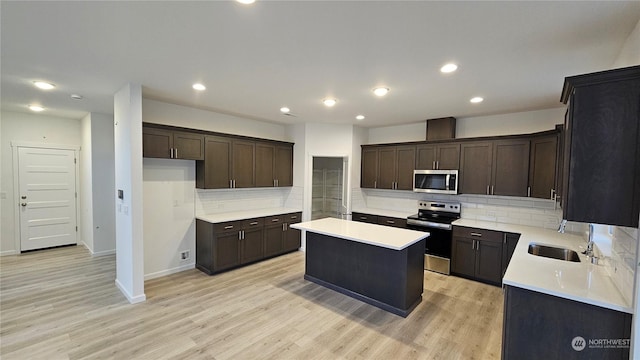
x,y
184,255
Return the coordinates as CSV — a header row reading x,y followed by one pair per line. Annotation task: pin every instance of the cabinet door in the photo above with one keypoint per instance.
x,y
510,167
448,156
489,261
542,167
273,239
189,146
284,165
265,159
463,256
391,221
156,143
508,247
217,166
291,239
387,167
475,167
226,250
252,245
243,163
406,163
426,157
369,170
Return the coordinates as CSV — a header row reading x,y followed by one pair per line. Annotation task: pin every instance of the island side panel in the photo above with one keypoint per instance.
x,y
387,278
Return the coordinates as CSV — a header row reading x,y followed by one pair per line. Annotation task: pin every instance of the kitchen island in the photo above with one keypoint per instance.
x,y
380,265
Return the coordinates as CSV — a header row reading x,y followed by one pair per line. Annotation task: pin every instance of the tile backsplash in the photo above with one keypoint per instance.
x,y
621,264
231,200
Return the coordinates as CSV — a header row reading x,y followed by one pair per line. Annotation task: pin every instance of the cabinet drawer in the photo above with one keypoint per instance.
x,y
478,234
272,220
228,226
252,223
368,218
391,221
292,218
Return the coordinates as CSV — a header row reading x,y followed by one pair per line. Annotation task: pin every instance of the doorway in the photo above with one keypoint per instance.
x,y
329,184
46,193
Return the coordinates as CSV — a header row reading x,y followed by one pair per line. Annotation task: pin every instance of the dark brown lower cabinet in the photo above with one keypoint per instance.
x,y
543,326
368,218
224,246
477,254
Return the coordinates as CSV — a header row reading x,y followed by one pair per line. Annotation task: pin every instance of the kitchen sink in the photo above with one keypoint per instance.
x,y
553,252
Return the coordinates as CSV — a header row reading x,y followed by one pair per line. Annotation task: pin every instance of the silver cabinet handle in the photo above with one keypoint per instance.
x,y
176,152
239,235
375,184
528,191
473,244
171,155
488,190
434,165
228,227
294,217
277,182
253,223
234,183
476,234
390,222
274,182
275,220
284,227
230,184
438,165
477,245
492,187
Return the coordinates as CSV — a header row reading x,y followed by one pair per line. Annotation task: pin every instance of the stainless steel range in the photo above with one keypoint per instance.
x,y
436,218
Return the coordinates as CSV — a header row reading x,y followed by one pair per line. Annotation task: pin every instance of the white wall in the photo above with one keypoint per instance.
x,y
630,53
103,184
169,211
128,177
508,124
34,128
398,133
86,185
169,114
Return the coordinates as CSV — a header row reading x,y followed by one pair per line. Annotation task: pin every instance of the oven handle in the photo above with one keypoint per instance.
x,y
428,224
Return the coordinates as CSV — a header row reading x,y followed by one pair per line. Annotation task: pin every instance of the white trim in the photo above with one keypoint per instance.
x,y
45,145
170,271
132,299
99,253
9,252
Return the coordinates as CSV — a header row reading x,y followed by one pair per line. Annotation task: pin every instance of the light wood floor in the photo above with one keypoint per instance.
x,y
63,304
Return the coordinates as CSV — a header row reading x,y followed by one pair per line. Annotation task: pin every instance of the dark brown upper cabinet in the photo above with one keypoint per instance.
x,y
170,144
510,170
274,165
543,167
476,160
601,174
388,167
215,171
438,156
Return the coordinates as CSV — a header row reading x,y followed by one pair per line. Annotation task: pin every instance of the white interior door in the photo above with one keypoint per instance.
x,y
47,181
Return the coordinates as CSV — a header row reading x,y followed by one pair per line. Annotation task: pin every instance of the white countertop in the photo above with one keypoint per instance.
x,y
373,234
248,214
583,281
383,212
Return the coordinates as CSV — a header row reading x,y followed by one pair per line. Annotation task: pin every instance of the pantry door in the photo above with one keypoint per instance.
x,y
47,197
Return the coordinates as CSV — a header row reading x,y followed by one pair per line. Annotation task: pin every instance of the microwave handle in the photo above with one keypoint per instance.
x,y
447,181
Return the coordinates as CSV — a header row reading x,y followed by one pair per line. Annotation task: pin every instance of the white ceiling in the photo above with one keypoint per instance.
x,y
256,59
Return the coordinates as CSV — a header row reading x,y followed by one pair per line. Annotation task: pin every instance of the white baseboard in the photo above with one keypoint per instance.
x,y
99,253
132,299
9,252
170,271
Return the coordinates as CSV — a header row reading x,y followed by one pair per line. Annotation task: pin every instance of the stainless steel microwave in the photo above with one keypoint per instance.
x,y
435,181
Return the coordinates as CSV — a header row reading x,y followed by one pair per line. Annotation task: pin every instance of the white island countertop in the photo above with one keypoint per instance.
x,y
372,234
579,281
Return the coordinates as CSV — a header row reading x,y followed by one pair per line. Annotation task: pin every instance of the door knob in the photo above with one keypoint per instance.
x,y
23,197
24,204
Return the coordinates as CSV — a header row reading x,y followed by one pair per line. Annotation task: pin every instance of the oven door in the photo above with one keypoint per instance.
x,y
437,249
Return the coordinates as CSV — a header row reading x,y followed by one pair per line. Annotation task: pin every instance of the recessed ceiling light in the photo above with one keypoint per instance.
x,y
381,91
76,96
476,100
448,68
285,110
360,117
246,2
199,87
36,108
329,102
43,85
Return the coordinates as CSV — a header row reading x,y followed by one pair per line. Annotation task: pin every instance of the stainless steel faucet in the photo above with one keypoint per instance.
x,y
563,223
589,250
